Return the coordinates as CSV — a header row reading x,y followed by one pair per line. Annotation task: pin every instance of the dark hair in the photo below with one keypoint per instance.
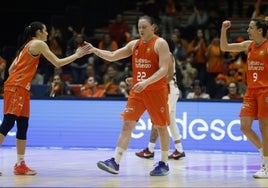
x,y
30,32
261,24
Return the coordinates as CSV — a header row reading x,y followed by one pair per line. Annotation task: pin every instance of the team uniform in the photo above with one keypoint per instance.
x,y
17,98
154,98
255,102
173,96
17,86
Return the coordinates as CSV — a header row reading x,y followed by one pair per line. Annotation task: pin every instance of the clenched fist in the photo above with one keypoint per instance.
x,y
226,24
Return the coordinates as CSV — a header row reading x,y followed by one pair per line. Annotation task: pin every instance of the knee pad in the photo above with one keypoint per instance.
x,y
22,127
7,124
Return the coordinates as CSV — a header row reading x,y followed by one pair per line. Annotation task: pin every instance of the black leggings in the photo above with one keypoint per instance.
x,y
8,124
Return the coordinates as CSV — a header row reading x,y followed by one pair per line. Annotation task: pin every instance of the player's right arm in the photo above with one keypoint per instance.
x,y
40,47
231,47
118,54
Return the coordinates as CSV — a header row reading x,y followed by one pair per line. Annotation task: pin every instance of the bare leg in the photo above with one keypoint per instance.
x,y
264,133
2,138
164,142
154,135
246,124
21,145
124,139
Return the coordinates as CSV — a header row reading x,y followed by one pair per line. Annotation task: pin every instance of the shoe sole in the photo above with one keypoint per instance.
x,y
257,177
163,174
33,174
177,158
106,168
143,157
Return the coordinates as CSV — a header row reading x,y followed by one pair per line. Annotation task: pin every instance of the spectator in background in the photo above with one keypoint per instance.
x,y
232,73
78,67
57,44
58,88
119,30
106,43
180,49
113,75
124,89
91,72
92,88
215,63
238,59
112,78
198,91
219,89
197,20
65,77
169,17
233,93
189,74
196,50
38,78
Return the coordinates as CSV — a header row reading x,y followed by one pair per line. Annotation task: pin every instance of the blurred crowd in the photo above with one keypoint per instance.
x,y
203,70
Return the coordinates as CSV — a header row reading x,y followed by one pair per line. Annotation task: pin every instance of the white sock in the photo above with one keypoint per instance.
x,y
265,161
118,154
164,156
179,147
261,151
20,158
151,147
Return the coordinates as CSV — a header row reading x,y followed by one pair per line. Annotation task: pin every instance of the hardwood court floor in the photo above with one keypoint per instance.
x,y
76,167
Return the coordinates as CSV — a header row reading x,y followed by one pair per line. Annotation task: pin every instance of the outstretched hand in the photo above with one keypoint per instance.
x,y
84,50
92,48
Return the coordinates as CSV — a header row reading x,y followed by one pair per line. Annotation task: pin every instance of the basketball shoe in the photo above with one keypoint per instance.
x,y
109,166
161,169
145,154
176,155
23,169
262,173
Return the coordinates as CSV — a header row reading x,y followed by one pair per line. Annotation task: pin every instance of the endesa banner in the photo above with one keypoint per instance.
x,y
203,125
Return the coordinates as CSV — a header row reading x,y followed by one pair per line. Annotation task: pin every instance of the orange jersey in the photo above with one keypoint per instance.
x,y
99,92
257,65
215,62
145,62
24,69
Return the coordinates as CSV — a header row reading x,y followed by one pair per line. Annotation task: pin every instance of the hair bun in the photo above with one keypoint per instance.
x,y
266,20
